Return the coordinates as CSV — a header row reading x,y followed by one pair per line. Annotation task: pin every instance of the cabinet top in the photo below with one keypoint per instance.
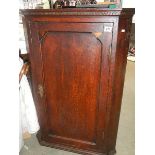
x,y
78,12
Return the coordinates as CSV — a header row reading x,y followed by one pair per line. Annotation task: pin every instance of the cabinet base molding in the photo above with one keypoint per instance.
x,y
69,148
112,152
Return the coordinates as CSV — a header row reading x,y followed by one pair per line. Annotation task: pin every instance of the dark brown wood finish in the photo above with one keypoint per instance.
x,y
78,60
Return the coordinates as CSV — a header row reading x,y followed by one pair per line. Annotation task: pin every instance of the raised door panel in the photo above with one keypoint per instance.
x,y
74,71
72,83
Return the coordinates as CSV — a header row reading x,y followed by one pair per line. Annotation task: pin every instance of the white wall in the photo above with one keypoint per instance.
x,y
128,3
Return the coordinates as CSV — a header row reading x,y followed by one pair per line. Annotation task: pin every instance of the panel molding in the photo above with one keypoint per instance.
x,y
98,38
72,140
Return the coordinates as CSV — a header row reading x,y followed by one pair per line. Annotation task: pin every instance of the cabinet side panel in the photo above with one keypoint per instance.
x,y
124,27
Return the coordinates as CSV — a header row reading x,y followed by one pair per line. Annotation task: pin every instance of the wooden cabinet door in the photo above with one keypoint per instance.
x,y
70,70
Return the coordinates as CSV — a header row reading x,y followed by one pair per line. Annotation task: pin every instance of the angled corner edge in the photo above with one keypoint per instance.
x,y
97,34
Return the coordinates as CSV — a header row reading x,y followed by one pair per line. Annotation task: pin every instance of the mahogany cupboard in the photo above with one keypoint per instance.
x,y
77,61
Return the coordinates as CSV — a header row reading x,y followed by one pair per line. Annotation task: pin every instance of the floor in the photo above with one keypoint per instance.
x,y
126,136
